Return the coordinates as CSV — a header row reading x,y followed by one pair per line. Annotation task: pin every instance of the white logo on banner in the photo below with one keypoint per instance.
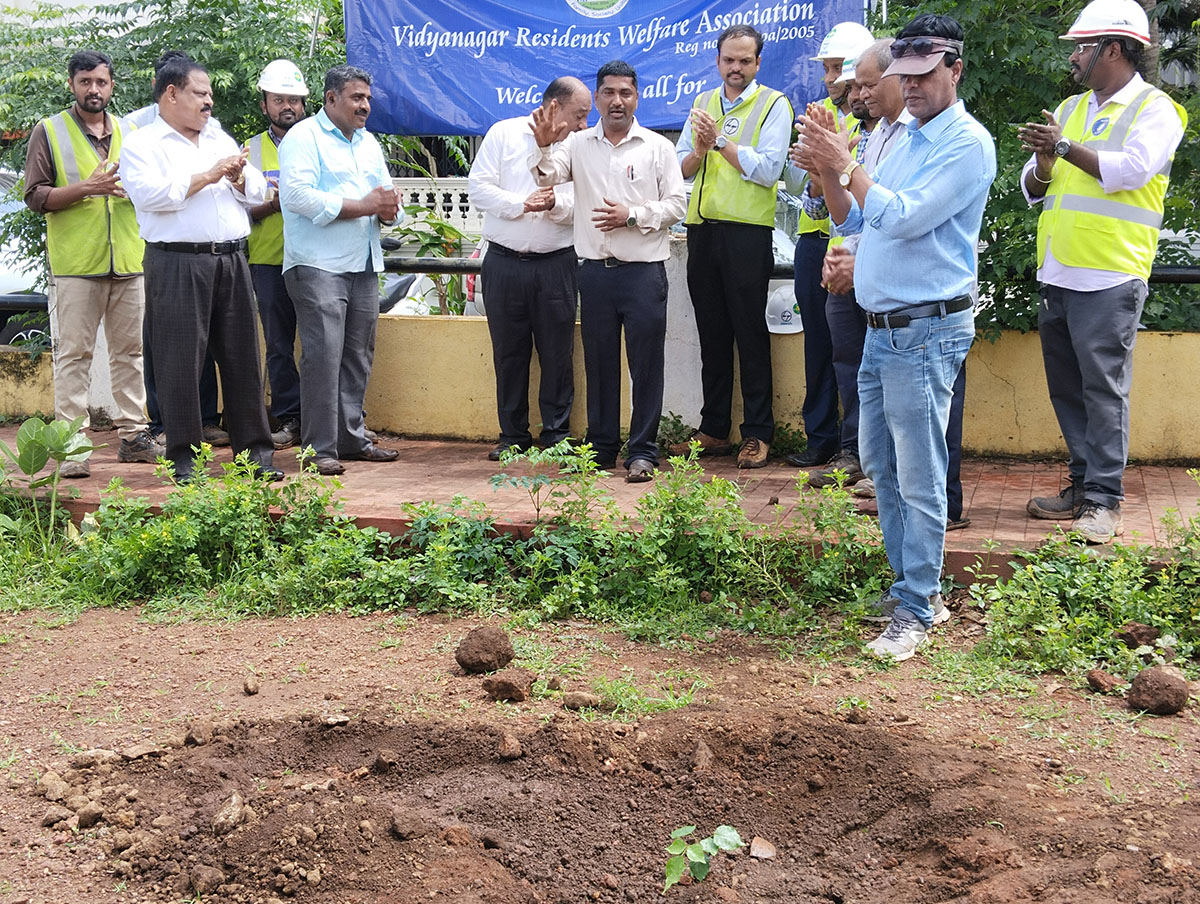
x,y
597,9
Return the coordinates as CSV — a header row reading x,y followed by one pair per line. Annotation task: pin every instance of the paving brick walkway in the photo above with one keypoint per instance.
x,y
994,491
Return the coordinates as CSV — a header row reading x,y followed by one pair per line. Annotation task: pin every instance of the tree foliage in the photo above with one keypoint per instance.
x,y
1016,66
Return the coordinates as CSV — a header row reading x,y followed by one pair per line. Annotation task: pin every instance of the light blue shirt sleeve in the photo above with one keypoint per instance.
x,y
762,163
300,158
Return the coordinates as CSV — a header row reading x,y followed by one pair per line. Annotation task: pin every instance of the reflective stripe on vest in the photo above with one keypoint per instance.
x,y
265,245
719,192
98,235
1081,224
807,224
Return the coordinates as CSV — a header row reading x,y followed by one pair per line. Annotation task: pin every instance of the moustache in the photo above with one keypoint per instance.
x,y
207,108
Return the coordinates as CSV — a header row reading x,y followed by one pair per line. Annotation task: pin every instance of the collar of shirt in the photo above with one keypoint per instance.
x,y
727,104
939,125
328,125
1126,94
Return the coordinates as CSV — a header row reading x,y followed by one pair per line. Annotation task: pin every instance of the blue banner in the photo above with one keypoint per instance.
x,y
454,67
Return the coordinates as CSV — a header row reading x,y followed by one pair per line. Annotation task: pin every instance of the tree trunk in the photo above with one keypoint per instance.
x,y
1150,65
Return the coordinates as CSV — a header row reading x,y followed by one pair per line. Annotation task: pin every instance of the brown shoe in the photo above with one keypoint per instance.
x,y
753,453
709,445
373,453
74,469
641,470
329,467
215,436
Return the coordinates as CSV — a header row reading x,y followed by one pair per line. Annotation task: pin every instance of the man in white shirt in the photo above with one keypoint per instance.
x,y
191,188
629,192
529,271
1100,168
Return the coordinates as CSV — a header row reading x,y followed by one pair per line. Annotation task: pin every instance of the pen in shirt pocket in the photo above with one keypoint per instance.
x,y
629,172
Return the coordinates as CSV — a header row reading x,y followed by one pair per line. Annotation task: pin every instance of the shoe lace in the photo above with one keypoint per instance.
x,y
752,445
900,623
1089,508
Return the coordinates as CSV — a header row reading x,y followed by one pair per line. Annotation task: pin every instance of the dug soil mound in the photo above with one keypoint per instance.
x,y
559,809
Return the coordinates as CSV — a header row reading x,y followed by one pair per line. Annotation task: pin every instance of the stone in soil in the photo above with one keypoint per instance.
x,y
761,849
206,879
484,650
580,700
51,785
459,836
231,815
407,825
89,814
514,685
509,747
385,761
54,815
1160,689
250,686
702,757
200,732
1102,682
1135,635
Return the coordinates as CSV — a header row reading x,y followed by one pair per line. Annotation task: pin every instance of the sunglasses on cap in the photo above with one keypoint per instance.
x,y
924,45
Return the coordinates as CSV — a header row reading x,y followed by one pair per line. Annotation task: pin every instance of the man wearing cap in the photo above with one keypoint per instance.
x,y
733,148
820,410
95,255
920,214
191,188
1100,169
530,271
283,92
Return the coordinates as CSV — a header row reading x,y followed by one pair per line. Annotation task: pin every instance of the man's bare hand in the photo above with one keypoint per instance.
x,y
546,127
229,168
704,130
821,150
384,202
837,272
611,216
104,181
1040,138
542,199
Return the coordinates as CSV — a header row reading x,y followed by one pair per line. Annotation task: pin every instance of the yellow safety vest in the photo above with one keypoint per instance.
x,y
806,223
1083,225
98,235
266,236
719,191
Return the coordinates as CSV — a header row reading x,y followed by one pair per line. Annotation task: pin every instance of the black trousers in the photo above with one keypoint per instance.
x,y
210,412
728,271
632,296
820,410
531,303
196,302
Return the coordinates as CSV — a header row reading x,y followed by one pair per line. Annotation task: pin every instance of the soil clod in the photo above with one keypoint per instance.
x,y
515,685
1160,689
485,649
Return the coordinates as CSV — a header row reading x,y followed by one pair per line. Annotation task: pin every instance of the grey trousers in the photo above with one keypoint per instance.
x,y
336,316
1087,345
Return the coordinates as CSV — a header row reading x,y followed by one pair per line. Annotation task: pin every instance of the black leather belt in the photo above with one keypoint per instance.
x,y
906,316
200,247
505,251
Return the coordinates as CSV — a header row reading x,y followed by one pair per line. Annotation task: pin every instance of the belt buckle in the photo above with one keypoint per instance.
x,y
611,262
212,248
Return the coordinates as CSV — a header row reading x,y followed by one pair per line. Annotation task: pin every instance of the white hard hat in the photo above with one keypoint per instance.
x,y
283,77
783,314
1115,18
848,73
845,41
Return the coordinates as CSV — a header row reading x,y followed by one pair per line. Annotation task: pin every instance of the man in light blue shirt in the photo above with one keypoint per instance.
x,y
913,275
335,190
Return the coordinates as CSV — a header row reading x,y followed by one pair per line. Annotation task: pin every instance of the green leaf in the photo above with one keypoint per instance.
x,y
699,869
696,854
678,846
710,846
674,871
727,838
31,456
683,831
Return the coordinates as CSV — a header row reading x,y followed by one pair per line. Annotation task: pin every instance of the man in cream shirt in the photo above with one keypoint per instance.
x,y
629,191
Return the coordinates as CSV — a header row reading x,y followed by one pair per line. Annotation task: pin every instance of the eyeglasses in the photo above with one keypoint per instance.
x,y
924,45
1080,48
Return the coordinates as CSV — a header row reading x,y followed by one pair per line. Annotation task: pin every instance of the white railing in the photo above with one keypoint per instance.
x,y
447,197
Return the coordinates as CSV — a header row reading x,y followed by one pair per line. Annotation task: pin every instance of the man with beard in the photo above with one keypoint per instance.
x,y
336,192
95,256
283,92
191,188
629,179
1100,166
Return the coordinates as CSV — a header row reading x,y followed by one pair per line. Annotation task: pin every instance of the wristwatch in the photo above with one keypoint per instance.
x,y
631,221
1062,147
720,142
847,173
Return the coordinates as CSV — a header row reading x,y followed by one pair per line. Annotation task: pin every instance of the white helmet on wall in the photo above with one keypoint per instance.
x,y
783,314
283,77
845,41
1117,18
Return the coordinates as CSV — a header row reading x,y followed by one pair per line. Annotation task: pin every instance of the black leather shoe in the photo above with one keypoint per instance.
x,y
372,453
811,458
495,454
271,475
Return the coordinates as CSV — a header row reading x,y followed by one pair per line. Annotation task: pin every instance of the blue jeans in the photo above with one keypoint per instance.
x,y
905,385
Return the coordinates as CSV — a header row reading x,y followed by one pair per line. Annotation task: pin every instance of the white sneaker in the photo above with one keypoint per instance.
x,y
885,608
900,639
865,488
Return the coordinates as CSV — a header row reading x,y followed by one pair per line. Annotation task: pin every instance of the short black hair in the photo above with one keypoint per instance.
x,y
174,71
339,76
86,61
166,57
1132,50
742,31
617,69
561,89
935,26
